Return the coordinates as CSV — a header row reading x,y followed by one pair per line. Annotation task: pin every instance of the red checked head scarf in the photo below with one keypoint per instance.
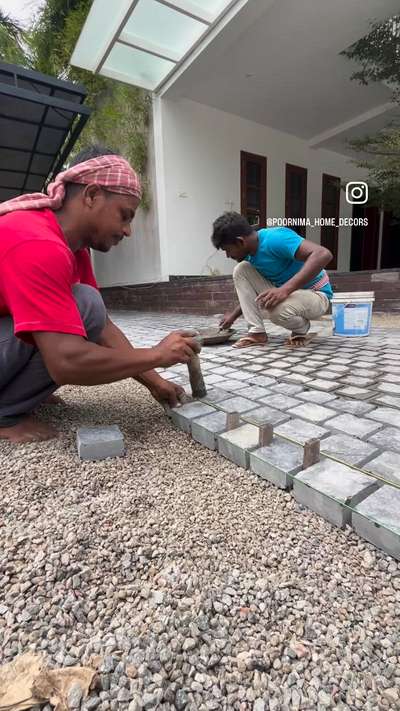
x,y
111,172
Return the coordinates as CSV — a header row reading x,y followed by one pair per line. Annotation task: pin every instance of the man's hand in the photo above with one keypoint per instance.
x,y
166,392
178,347
272,297
226,321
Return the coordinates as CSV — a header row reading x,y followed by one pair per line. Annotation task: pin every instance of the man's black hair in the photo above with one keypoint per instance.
x,y
228,227
94,150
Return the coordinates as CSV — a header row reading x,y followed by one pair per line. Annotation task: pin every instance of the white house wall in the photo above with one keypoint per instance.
x,y
136,260
201,157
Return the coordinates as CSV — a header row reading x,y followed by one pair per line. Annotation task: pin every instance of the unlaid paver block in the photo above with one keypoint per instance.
x,y
311,411
324,385
348,449
386,415
388,438
316,396
353,407
278,463
205,429
235,444
287,388
237,404
280,401
96,443
329,488
182,416
387,466
377,520
265,416
301,431
356,426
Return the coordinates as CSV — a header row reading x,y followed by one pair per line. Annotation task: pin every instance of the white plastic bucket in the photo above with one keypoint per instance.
x,y
352,313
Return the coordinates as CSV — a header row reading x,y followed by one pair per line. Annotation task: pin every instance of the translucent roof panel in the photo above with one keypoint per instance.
x,y
136,67
142,42
164,27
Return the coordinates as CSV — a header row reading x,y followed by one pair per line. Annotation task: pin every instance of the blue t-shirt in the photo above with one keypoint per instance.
x,y
275,259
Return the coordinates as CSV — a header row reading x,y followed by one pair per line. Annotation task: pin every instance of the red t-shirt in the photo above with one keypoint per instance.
x,y
37,272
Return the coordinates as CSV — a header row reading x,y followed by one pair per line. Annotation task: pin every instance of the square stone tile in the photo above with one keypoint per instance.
x,y
253,368
280,401
390,388
231,385
205,429
278,463
377,520
317,396
235,444
253,392
302,369
241,375
385,415
300,431
337,368
348,449
265,415
357,382
326,374
324,385
215,395
388,438
311,411
356,426
388,400
296,378
357,393
353,407
213,379
237,404
275,372
329,488
386,465
262,381
286,388
182,416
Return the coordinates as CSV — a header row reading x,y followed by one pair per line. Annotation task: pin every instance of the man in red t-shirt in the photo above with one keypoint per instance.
x,y
54,329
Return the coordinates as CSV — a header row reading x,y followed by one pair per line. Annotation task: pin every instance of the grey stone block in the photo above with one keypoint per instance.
x,y
357,426
390,388
296,378
377,520
205,429
386,465
231,385
235,444
261,381
353,407
327,374
358,382
287,388
253,392
317,396
215,395
280,401
300,431
265,415
237,404
325,385
95,443
182,416
385,415
388,438
278,463
312,412
388,400
348,449
330,488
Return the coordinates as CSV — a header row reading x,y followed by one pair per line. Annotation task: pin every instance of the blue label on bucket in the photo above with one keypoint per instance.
x,y
351,319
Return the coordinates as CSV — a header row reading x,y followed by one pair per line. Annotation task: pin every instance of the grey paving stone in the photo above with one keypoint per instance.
x,y
280,401
261,381
235,444
354,425
390,388
317,396
386,415
337,368
357,393
205,429
357,382
241,375
254,368
364,373
353,407
182,416
388,438
96,443
215,395
324,385
278,463
349,450
302,369
287,388
377,520
282,364
311,411
237,404
388,400
265,416
231,385
390,378
275,372
213,379
253,392
296,378
387,466
329,488
326,374
300,431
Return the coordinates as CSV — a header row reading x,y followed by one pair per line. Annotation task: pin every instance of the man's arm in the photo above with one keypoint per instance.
x,y
314,257
73,360
113,337
229,318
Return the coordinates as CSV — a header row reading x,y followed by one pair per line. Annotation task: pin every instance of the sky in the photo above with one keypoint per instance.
x,y
21,10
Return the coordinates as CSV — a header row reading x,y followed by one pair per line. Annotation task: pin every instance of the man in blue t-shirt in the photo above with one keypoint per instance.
x,y
280,276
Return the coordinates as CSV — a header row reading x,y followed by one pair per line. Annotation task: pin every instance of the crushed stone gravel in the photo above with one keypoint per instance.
x,y
200,586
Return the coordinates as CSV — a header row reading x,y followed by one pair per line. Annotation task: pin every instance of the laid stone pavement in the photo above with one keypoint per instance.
x,y
345,392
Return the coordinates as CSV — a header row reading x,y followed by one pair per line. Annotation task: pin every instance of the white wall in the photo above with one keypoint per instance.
x,y
201,156
136,260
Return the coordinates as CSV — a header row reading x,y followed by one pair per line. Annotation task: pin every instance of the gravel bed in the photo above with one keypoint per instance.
x,y
200,586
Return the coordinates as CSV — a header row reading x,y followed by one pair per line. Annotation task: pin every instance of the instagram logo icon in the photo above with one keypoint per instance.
x,y
357,193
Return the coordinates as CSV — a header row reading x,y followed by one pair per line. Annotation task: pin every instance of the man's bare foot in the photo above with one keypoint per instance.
x,y
54,400
28,430
253,339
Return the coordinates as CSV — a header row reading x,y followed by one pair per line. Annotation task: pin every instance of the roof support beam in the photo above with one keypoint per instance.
x,y
131,40
346,125
189,9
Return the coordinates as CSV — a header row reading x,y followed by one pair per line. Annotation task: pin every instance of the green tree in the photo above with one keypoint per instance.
x,y
379,56
12,40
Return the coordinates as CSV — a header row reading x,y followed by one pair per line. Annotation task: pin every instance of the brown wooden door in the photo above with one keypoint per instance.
x,y
253,188
365,240
296,195
330,208
390,257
